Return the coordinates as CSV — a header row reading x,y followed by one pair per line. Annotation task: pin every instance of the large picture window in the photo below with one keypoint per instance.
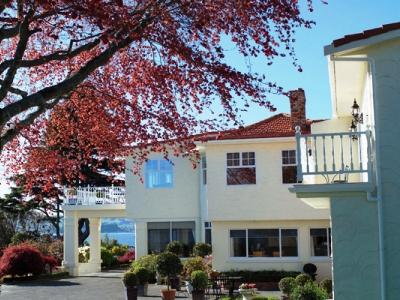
x,y
240,168
321,242
289,166
263,243
159,234
158,174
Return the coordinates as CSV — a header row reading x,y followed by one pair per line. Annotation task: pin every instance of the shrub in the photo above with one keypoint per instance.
x,y
149,263
56,249
309,291
193,264
199,280
265,298
22,237
302,279
21,260
130,279
119,250
169,265
107,258
286,285
311,270
108,243
142,275
175,247
128,257
326,284
49,263
83,254
261,276
202,249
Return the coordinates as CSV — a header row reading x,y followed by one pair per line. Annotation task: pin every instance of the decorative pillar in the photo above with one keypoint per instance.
x,y
95,245
70,261
140,239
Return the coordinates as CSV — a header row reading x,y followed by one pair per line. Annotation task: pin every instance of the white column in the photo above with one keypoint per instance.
x,y
199,230
95,244
70,261
140,239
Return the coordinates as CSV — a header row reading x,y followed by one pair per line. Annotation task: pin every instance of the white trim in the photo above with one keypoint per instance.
x,y
294,259
249,141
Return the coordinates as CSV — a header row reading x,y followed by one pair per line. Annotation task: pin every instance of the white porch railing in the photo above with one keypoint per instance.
x,y
94,195
335,156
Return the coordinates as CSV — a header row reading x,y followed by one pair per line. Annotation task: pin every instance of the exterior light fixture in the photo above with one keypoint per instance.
x,y
355,112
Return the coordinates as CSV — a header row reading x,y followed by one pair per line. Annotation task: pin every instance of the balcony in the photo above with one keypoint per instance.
x,y
333,162
94,196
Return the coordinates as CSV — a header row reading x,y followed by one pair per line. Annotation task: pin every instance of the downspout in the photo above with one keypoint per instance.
x,y
378,197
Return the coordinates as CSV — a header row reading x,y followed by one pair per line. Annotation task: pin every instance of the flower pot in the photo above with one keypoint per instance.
x,y
131,293
198,295
168,294
247,294
142,289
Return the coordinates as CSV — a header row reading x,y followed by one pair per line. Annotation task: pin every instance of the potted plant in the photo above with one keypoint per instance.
x,y
168,265
130,282
143,279
247,290
199,281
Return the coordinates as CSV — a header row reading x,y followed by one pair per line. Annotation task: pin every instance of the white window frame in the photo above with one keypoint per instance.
x,y
288,164
280,257
329,243
159,171
240,166
203,163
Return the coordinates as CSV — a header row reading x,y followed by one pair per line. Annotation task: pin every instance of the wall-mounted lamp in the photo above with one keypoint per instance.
x,y
355,112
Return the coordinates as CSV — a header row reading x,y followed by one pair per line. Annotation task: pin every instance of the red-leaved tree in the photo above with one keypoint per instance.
x,y
143,71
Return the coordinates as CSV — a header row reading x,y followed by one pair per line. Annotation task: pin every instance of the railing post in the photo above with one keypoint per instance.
x,y
369,158
298,155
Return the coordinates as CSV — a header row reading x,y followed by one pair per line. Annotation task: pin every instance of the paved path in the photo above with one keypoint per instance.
x,y
98,286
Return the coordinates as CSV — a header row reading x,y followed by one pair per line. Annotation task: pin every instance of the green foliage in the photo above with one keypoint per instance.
x,y
302,279
142,275
308,291
193,264
108,243
119,250
22,237
261,276
7,229
107,258
326,284
175,247
286,285
83,254
56,249
130,279
265,298
168,264
202,249
199,280
149,263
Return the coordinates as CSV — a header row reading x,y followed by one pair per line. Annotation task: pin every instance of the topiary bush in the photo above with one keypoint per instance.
x,y
199,280
308,291
21,260
149,263
302,279
142,275
108,259
168,265
193,264
311,270
130,279
175,247
202,249
326,285
286,285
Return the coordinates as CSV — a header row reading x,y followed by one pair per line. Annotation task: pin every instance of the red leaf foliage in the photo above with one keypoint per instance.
x,y
128,257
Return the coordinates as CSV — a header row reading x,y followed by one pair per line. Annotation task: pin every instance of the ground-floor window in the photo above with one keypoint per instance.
x,y
159,234
321,242
277,242
207,232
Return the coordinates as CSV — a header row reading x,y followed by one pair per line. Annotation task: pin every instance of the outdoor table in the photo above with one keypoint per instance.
x,y
229,279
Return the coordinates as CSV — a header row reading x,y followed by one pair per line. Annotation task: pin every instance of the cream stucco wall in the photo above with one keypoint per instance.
x,y
268,199
221,247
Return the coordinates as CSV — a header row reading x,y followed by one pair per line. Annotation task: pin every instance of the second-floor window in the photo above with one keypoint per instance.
x,y
289,166
240,168
204,170
159,174
321,242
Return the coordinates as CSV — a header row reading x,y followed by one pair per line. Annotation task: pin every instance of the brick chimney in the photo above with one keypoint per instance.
x,y
297,100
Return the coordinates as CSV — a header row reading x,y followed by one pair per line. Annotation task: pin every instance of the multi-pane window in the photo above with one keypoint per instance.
x,y
321,242
240,168
207,229
158,174
159,234
204,169
289,166
263,243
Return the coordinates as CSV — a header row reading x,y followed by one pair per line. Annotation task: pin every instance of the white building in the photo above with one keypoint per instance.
x,y
237,199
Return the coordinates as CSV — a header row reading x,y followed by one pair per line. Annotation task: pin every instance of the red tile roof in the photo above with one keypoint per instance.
x,y
366,34
279,125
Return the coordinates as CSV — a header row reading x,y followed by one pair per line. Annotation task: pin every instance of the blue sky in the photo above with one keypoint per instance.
x,y
334,20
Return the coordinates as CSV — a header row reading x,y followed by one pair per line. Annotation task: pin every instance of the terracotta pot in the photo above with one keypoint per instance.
x,y
131,293
142,289
198,295
168,294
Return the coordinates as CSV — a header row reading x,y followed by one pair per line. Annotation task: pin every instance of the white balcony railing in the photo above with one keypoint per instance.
x,y
94,195
337,157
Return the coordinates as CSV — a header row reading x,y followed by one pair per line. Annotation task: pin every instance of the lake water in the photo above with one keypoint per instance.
x,y
124,238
